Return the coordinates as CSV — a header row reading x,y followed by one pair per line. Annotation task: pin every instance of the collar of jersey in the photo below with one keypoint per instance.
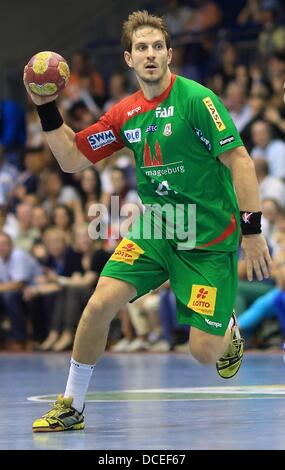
x,y
163,95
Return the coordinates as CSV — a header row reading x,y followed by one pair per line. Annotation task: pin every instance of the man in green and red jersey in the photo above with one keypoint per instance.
x,y
188,154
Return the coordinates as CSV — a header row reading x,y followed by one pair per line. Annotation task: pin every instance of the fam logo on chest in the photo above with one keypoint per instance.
x,y
164,112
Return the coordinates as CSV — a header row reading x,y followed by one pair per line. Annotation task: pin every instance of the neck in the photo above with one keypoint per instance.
x,y
152,90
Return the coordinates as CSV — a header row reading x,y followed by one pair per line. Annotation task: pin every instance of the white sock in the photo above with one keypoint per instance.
x,y
78,383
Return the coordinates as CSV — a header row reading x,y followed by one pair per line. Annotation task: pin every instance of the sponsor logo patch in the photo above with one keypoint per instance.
x,y
203,299
214,114
167,130
154,159
227,140
164,112
127,252
99,140
203,139
213,323
133,135
151,128
134,111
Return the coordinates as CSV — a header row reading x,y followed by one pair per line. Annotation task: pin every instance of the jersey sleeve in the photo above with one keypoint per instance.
x,y
100,140
213,124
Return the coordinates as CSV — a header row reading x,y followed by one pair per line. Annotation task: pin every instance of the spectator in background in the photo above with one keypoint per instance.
x,y
265,146
8,175
257,102
12,130
118,89
269,186
275,112
180,67
62,259
240,111
17,269
8,222
73,290
79,115
272,36
270,213
85,83
34,129
28,180
56,193
177,16
41,220
249,15
63,218
226,62
27,233
207,15
90,187
58,259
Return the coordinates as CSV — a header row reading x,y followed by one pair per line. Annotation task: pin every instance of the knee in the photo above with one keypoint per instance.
x,y
98,310
204,353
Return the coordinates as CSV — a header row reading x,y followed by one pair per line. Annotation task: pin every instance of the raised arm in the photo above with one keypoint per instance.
x,y
61,140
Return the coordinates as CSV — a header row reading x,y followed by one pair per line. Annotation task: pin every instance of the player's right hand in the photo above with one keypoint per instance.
x,y
38,100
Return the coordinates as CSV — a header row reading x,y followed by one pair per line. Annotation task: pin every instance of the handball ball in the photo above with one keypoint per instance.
x,y
47,73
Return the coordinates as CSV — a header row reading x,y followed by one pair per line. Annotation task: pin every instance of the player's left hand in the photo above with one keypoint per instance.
x,y
257,256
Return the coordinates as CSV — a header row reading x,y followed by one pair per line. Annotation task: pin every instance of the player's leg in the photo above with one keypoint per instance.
x,y
133,270
206,302
90,341
207,348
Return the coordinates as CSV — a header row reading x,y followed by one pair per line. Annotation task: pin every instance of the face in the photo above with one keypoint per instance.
x,y
55,244
260,134
40,218
118,181
88,181
24,214
269,210
61,218
149,56
82,240
54,184
5,247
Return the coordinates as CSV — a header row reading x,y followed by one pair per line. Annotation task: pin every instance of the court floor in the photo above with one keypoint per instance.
x,y
143,401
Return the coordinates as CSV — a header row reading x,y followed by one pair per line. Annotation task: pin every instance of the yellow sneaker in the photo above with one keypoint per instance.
x,y
62,417
229,364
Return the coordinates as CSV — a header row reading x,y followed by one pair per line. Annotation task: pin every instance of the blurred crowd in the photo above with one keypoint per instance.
x,y
49,260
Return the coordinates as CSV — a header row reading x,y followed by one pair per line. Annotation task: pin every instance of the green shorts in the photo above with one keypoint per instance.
x,y
203,282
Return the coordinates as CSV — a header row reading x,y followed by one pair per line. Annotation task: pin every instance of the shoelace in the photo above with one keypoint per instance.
x,y
58,406
233,348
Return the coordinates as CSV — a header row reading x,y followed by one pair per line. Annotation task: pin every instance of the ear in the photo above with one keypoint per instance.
x,y
128,59
169,56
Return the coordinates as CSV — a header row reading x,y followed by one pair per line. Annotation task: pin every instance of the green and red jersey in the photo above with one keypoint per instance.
x,y
176,139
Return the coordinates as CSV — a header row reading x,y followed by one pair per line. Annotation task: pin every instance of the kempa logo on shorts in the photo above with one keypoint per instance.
x,y
134,111
133,135
101,139
213,323
127,252
214,114
227,140
203,299
164,112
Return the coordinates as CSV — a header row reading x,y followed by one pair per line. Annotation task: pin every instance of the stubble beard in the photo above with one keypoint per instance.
x,y
154,80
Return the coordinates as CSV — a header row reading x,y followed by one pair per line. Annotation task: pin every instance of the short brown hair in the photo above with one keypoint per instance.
x,y
138,19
